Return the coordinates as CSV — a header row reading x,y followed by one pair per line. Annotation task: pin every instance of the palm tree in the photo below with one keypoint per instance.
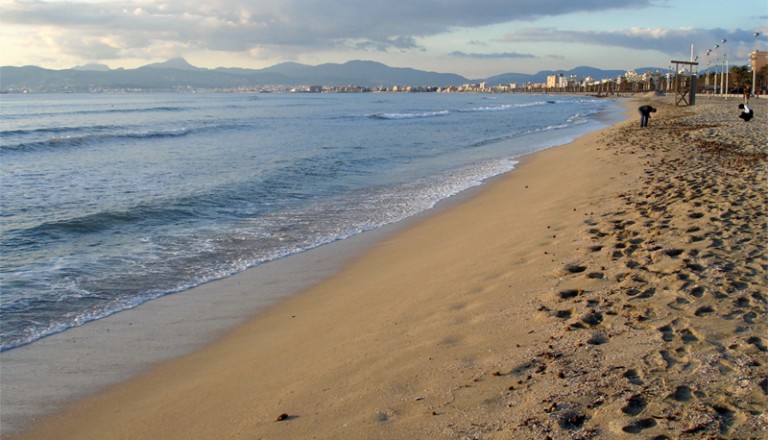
x,y
762,80
741,79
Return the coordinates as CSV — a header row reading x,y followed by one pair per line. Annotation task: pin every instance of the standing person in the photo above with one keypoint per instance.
x,y
645,114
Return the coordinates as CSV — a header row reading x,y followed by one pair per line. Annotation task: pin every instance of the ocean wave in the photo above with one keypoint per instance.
x,y
83,136
99,222
106,111
41,322
485,108
85,290
415,115
494,108
507,107
76,289
79,140
160,109
571,121
59,130
77,249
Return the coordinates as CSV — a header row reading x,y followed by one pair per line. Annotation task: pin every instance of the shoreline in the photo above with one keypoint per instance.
x,y
461,169
499,301
43,376
132,341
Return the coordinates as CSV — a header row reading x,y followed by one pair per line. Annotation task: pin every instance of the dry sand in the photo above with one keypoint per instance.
x,y
614,287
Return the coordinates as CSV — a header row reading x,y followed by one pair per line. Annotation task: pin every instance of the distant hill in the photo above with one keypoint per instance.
x,y
93,66
363,73
174,63
178,74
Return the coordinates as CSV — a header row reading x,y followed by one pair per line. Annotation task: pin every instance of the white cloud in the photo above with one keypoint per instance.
x,y
275,25
668,41
508,55
430,34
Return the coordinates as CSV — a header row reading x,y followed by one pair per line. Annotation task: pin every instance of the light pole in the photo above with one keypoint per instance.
x,y
754,67
712,81
727,72
694,76
717,68
723,72
669,79
709,66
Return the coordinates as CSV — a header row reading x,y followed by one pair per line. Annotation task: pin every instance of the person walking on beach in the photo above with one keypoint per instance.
x,y
746,112
645,114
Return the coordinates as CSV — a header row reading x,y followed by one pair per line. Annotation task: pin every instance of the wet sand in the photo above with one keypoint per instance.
x,y
615,287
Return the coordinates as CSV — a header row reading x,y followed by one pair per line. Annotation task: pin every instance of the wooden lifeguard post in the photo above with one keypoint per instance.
x,y
685,85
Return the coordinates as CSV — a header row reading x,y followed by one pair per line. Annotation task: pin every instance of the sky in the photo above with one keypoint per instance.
x,y
473,38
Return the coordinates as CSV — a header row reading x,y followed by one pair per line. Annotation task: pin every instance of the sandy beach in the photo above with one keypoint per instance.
x,y
614,287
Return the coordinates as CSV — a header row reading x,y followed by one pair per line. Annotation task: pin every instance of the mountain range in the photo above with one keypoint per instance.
x,y
178,74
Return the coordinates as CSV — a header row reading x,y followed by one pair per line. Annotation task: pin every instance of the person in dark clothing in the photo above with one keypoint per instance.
x,y
746,112
645,114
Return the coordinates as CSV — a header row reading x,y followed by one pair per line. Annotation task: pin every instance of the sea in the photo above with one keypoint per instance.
x,y
111,200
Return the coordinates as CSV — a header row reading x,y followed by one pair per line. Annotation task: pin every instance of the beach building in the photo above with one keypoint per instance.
x,y
551,81
556,81
564,83
758,60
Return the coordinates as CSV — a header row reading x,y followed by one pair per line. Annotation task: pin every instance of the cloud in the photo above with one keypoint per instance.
x,y
669,41
264,26
460,54
99,48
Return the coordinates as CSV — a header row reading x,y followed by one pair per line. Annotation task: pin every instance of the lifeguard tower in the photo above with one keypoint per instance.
x,y
685,84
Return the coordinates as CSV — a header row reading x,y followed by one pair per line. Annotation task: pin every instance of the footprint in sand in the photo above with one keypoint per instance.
x,y
572,419
575,268
597,233
635,405
695,267
682,393
688,336
638,426
742,302
633,377
704,311
678,304
727,418
673,252
668,358
750,317
758,342
647,293
570,293
592,318
667,333
598,338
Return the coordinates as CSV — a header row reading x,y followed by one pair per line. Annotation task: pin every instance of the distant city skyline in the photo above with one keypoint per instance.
x,y
476,39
